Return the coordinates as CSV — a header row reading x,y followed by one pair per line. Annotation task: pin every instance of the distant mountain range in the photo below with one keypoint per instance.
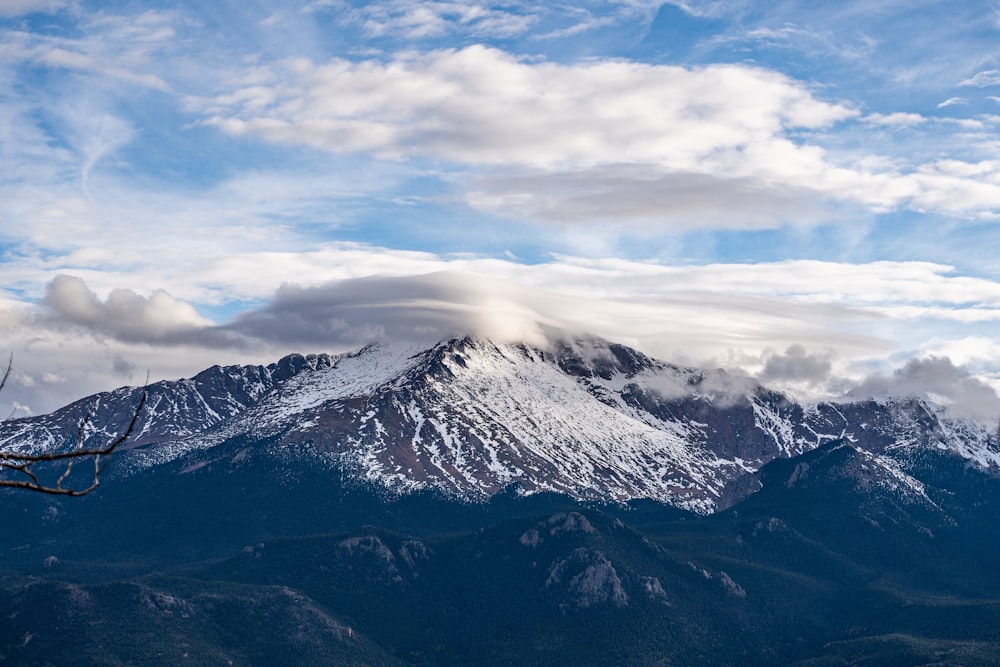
x,y
470,418
491,504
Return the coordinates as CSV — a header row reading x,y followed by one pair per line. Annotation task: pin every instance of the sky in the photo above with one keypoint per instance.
x,y
808,193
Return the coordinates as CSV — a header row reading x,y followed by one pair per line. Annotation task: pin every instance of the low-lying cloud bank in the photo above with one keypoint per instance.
x,y
743,333
416,308
690,324
124,315
939,380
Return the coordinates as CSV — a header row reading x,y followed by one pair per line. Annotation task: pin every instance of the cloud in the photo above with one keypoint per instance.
x,y
644,196
587,23
511,304
764,304
481,106
656,139
417,19
10,8
730,316
881,283
424,308
952,101
520,135
113,54
206,242
434,19
345,314
873,38
897,119
983,79
124,315
939,380
55,365
797,365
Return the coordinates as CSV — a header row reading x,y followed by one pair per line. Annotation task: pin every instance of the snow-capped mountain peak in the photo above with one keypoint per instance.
x,y
470,417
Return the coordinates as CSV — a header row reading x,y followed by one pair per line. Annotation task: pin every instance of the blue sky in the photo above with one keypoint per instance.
x,y
813,187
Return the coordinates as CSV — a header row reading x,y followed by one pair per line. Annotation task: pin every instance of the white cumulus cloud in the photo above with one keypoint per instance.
x,y
124,314
479,105
532,136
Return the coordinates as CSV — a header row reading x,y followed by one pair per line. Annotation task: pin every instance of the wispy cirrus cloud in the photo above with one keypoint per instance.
x,y
416,19
11,8
430,21
953,101
984,79
114,48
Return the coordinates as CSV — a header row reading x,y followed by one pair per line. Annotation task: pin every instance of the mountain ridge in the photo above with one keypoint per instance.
x,y
470,417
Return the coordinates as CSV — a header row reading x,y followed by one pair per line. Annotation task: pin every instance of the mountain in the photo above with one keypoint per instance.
x,y
480,503
576,586
468,418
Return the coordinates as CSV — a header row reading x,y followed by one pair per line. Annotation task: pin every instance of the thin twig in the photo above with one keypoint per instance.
x,y
22,463
10,365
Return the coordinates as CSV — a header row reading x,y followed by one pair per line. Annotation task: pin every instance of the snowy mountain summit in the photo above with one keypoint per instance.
x,y
470,418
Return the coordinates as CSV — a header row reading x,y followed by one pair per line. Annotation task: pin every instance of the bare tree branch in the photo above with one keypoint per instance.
x,y
22,464
10,365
